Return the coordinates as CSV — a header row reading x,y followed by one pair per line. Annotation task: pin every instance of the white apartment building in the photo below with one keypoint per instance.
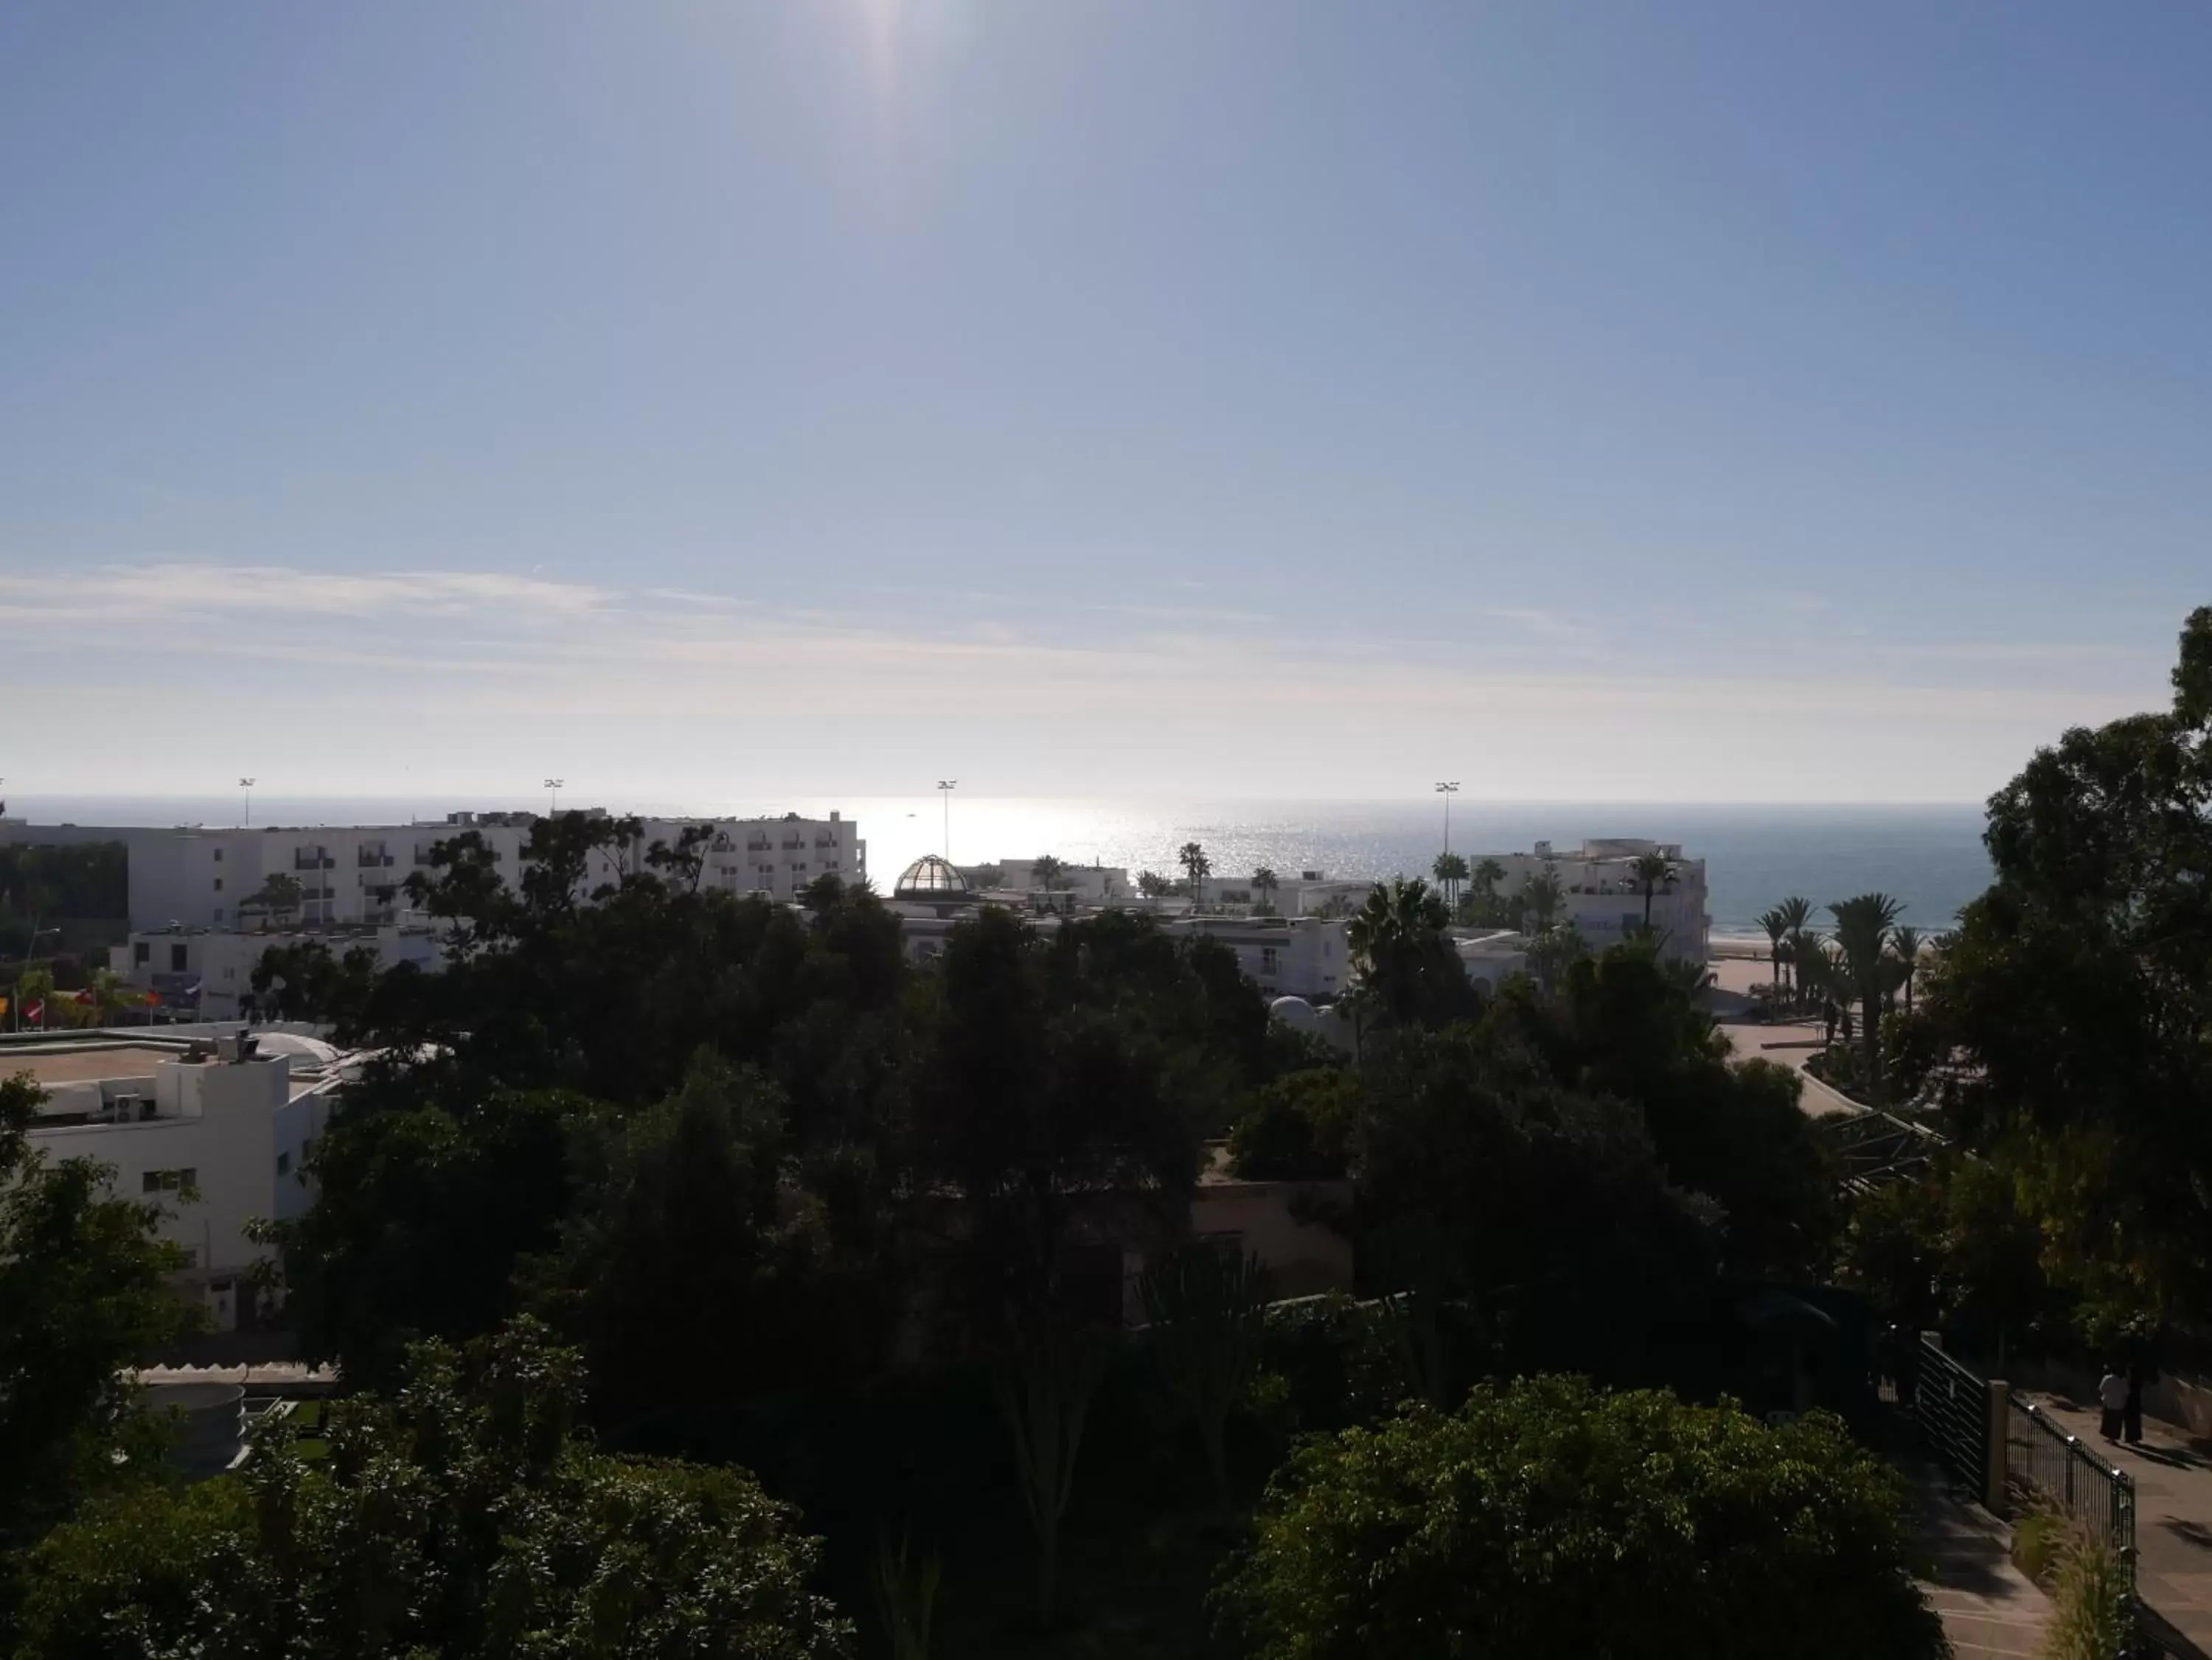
x,y
1601,895
191,876
206,973
217,1133
1086,884
1286,956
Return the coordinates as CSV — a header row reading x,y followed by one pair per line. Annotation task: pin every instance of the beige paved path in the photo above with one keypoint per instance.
x,y
2173,1516
1989,1607
1786,1043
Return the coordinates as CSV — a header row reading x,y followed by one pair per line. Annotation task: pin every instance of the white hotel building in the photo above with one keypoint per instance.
x,y
195,877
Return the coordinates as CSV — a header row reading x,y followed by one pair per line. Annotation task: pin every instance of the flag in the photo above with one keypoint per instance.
x,y
153,998
34,1013
85,996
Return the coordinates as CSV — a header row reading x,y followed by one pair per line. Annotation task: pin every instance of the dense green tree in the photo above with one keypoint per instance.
x,y
84,1292
687,1279
1622,1025
1205,1312
1550,1520
1523,1216
462,1516
2079,991
1050,1120
425,1213
1299,1127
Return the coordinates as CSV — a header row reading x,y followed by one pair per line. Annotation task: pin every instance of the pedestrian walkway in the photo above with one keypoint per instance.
x,y
2173,1514
1989,1607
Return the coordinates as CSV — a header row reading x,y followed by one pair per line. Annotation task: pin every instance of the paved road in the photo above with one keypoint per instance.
x,y
1989,1607
2173,1516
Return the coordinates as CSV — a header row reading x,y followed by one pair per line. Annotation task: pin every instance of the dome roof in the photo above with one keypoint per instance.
x,y
930,878
1296,1013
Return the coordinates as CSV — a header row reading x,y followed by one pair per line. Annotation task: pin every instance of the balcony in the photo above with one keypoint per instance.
x,y
798,845
314,860
377,860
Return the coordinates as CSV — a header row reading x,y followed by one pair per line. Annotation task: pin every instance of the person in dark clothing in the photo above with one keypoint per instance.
x,y
2140,1375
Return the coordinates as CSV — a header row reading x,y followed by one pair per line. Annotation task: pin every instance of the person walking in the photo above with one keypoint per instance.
x,y
2140,1374
2113,1401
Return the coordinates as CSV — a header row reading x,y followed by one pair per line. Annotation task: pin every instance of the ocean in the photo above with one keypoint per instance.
x,y
1929,856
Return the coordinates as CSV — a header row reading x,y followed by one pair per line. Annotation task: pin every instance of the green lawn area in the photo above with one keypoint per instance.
x,y
305,1419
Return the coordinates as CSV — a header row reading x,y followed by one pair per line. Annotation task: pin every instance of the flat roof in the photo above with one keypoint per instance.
x,y
94,1060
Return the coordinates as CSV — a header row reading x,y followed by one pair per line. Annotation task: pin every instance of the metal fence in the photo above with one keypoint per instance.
x,y
2043,1461
1951,1406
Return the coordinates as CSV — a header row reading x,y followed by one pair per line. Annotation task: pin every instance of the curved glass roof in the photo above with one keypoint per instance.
x,y
930,878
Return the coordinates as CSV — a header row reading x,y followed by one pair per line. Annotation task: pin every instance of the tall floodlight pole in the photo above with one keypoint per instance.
x,y
553,785
945,787
247,784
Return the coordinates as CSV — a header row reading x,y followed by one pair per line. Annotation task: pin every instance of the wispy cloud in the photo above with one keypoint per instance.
x,y
181,588
541,662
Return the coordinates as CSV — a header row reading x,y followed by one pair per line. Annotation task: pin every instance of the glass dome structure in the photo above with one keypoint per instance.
x,y
930,878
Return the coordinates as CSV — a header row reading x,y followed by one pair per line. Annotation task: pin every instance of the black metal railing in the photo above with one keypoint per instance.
x,y
2043,1461
1952,1406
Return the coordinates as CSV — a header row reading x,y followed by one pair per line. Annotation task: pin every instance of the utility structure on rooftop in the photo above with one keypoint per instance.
x,y
945,787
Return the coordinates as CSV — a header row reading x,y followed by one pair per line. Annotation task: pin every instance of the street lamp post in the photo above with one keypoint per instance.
x,y
247,784
1448,790
945,787
553,785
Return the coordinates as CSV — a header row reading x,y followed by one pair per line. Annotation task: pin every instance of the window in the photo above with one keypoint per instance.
x,y
283,1164
142,953
218,884
169,1181
177,955
1268,964
218,855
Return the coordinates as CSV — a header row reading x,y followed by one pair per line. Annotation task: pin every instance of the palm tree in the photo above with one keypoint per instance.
x,y
1540,895
1797,911
1862,925
1653,871
1449,870
1775,925
111,996
1905,944
1819,979
1046,872
1389,938
1265,881
1193,859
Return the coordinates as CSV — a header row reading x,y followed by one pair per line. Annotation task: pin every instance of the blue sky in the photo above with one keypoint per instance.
x,y
1614,402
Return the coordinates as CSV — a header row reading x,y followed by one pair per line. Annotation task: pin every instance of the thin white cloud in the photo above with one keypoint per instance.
x,y
210,590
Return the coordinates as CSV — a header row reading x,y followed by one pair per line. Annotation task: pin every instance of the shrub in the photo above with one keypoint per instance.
x,y
1551,1521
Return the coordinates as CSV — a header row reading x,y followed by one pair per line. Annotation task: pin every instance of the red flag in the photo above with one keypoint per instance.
x,y
85,996
35,1013
153,998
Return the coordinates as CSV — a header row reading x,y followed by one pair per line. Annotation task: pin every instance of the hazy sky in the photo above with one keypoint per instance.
x,y
1742,402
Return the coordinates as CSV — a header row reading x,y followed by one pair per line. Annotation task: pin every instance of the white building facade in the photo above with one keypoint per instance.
x,y
216,1133
195,877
